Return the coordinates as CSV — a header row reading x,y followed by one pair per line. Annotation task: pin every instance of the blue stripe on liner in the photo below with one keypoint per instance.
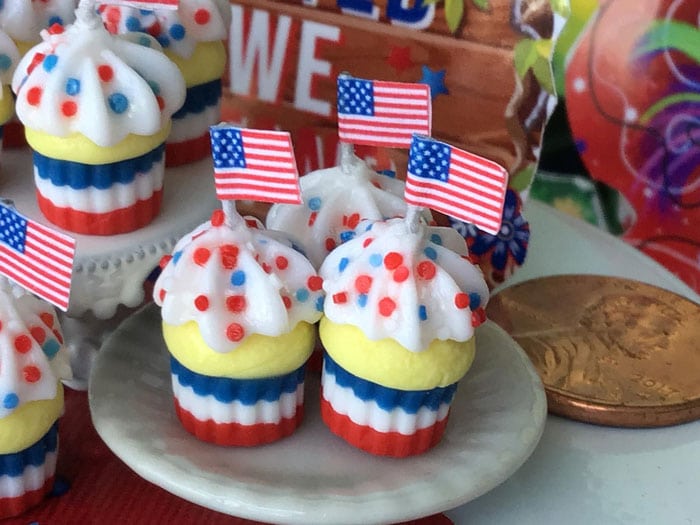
x,y
247,391
80,176
389,398
200,97
35,455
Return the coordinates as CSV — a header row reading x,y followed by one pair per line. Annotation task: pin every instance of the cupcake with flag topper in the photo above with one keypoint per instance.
x,y
336,199
9,57
239,304
192,34
97,109
33,361
402,302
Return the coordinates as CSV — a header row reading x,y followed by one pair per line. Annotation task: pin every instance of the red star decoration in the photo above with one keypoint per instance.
x,y
400,58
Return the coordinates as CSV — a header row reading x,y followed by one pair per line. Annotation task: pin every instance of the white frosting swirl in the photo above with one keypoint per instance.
x,y
334,204
32,355
178,30
236,280
85,80
23,20
413,287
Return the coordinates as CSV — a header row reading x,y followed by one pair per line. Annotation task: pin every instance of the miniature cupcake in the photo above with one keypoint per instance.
x,y
9,57
335,201
96,110
398,330
32,362
193,38
238,308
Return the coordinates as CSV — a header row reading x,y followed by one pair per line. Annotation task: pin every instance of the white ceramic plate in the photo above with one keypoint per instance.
x,y
313,476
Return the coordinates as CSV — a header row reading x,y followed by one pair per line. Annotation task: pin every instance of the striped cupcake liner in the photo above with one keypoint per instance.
x,y
237,412
26,477
380,420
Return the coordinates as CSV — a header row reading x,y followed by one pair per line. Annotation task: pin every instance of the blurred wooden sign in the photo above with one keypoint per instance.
x,y
486,61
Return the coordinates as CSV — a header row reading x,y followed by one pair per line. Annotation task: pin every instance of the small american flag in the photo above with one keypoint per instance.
x,y
379,113
457,183
144,4
255,165
36,257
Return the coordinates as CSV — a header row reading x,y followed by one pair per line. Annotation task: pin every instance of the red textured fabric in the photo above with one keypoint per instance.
x,y
179,153
104,491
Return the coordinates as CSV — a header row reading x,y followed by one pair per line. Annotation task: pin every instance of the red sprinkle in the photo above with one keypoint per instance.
x,y
47,319
229,256
235,332
287,302
312,218
58,336
34,96
37,59
340,298
266,267
201,256
161,295
31,374
426,270
161,102
217,218
461,300
367,242
315,283
478,317
164,261
55,29
201,302
23,344
401,274
69,108
387,306
281,262
202,16
393,260
235,303
363,283
38,333
330,244
105,72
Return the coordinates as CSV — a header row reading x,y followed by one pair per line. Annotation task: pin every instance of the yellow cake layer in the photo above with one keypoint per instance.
x,y
206,63
28,423
389,364
79,148
256,357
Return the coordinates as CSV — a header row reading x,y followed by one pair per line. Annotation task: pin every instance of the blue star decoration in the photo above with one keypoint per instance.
x,y
436,81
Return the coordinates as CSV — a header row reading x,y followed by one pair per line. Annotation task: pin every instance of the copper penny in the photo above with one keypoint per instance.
x,y
610,351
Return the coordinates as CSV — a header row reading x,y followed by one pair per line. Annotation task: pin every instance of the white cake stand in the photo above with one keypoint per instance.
x,y
109,271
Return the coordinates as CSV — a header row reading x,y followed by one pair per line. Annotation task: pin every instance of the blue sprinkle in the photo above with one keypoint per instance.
x,y
238,278
5,62
163,40
49,63
72,86
145,12
144,41
343,264
176,256
430,253
389,173
55,20
118,103
133,24
375,260
474,300
302,295
319,303
154,87
11,401
369,226
436,239
422,312
347,235
51,348
315,203
362,300
177,31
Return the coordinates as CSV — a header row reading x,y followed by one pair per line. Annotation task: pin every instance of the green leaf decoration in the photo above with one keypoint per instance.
x,y
663,35
454,11
483,5
522,179
561,7
533,55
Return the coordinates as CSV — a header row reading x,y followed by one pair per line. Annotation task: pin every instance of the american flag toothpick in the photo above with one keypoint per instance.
x,y
251,164
36,257
457,183
380,113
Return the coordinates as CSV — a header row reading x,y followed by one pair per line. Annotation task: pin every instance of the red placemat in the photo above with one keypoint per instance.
x,y
95,487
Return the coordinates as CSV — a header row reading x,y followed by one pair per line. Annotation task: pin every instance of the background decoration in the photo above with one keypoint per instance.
x,y
633,102
486,63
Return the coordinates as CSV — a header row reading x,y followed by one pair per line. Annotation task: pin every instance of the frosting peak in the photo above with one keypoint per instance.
x,y
410,286
85,80
236,280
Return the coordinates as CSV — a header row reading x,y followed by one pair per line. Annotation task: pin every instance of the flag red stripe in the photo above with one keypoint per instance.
x,y
234,177
484,173
35,267
33,281
492,209
251,186
58,267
